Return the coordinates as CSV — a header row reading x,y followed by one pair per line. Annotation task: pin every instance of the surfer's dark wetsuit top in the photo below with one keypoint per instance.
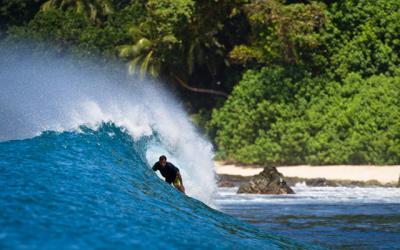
x,y
168,172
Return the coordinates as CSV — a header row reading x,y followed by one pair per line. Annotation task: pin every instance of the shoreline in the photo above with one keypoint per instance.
x,y
384,175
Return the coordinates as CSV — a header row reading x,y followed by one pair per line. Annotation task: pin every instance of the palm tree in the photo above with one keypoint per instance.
x,y
148,55
94,9
147,52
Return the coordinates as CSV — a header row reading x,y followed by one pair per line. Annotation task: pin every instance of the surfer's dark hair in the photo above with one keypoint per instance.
x,y
163,157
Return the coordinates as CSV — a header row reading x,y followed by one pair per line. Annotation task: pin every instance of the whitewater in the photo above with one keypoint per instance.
x,y
77,141
42,93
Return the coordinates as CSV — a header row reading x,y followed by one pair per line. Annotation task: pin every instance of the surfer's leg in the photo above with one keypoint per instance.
x,y
178,185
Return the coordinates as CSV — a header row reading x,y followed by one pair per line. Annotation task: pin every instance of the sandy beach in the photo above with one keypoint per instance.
x,y
382,174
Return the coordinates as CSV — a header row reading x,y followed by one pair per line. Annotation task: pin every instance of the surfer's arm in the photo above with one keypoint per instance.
x,y
155,167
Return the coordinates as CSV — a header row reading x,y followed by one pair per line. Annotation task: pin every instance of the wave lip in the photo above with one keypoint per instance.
x,y
94,189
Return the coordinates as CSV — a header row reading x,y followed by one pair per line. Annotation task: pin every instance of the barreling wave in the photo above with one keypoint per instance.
x,y
77,145
48,93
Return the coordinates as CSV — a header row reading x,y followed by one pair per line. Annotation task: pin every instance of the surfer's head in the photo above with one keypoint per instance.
x,y
163,160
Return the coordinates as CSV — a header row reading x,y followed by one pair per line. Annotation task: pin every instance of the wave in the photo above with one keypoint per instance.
x,y
77,142
49,93
95,189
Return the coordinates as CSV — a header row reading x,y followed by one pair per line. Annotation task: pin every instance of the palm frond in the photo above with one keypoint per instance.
x,y
143,44
134,31
153,71
139,48
145,63
47,5
125,50
133,65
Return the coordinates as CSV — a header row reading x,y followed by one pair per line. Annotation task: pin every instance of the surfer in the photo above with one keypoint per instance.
x,y
170,173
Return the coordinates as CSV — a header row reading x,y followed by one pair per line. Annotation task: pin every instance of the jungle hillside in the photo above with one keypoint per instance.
x,y
268,81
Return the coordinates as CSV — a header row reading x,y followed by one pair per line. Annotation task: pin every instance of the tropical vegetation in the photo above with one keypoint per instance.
x,y
269,81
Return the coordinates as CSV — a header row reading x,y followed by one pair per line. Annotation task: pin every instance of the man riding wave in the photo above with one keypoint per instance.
x,y
170,173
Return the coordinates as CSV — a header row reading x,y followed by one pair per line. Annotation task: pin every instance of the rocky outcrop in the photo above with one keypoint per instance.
x,y
398,183
269,181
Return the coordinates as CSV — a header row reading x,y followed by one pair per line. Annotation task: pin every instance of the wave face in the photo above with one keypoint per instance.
x,y
94,189
77,142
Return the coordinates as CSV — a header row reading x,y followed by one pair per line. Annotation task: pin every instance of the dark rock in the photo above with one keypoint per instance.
x,y
269,181
398,183
317,182
311,182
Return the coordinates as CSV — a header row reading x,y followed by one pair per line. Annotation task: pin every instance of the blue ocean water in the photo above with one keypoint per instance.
x,y
94,189
332,217
77,138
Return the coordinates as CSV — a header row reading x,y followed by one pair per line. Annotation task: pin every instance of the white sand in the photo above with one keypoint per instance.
x,y
383,174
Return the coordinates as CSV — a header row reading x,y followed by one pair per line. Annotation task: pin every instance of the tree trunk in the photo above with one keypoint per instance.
x,y
200,90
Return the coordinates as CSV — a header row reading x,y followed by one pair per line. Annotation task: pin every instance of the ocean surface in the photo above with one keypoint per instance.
x,y
94,189
332,217
77,142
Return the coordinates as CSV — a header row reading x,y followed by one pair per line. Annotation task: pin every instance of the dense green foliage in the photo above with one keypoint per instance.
x,y
364,37
344,108
308,81
277,117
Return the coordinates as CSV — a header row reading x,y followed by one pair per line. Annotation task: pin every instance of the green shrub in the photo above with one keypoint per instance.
x,y
272,118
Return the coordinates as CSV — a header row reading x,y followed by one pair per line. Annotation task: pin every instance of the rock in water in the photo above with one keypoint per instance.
x,y
269,181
